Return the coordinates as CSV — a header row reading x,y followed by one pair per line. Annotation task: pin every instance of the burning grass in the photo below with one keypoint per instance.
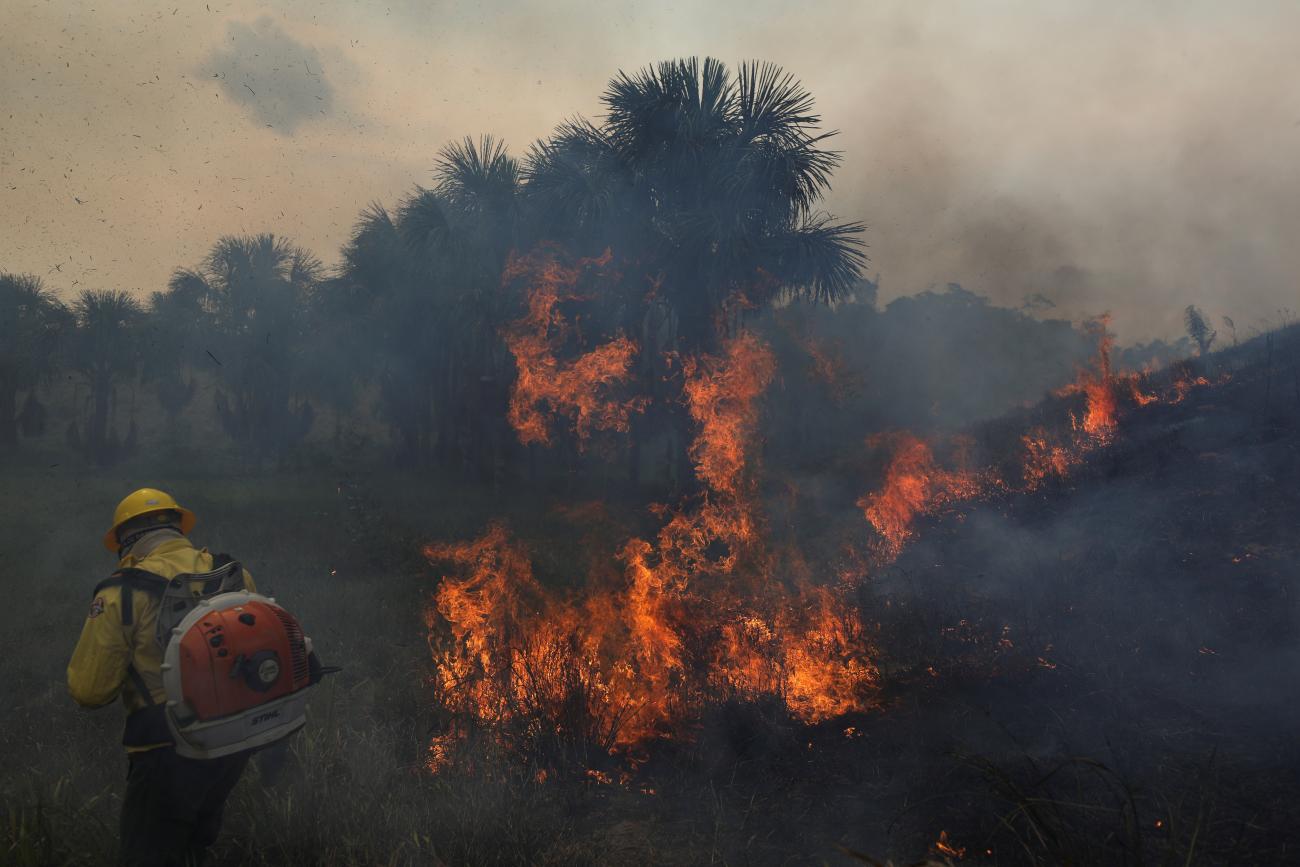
x,y
700,614
708,610
712,618
917,485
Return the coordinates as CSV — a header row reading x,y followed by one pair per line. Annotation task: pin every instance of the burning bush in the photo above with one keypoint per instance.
x,y
580,388
702,614
707,610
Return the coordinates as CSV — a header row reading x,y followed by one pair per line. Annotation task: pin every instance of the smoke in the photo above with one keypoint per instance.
x,y
279,81
1141,151
1108,156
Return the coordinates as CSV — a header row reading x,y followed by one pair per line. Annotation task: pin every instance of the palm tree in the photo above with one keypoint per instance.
x,y
106,350
482,188
711,182
479,185
340,358
381,291
257,291
708,183
430,275
32,322
173,331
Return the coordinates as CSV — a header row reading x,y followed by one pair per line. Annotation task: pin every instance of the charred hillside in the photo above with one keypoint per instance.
x,y
1053,637
1105,663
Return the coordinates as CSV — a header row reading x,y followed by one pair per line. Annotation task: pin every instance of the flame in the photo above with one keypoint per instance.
x,y
829,658
915,485
1133,384
721,394
828,366
1098,385
581,388
703,609
699,612
943,846
1186,381
1045,458
439,753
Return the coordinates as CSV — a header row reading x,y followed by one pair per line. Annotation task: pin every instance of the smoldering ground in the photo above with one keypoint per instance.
x,y
1140,625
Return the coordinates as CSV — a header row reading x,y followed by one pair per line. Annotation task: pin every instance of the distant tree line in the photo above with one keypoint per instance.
x,y
704,182
705,185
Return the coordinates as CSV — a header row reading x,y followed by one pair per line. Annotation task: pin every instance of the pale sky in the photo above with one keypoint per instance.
x,y
1125,156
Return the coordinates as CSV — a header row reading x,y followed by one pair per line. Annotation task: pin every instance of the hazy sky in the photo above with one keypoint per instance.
x,y
1131,156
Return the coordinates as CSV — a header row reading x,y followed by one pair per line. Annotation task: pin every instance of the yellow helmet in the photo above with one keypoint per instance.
x,y
146,501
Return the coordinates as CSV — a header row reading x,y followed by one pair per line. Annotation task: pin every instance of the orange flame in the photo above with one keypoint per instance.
x,y
1185,382
827,365
1045,459
1098,386
722,394
622,664
914,486
581,388
944,846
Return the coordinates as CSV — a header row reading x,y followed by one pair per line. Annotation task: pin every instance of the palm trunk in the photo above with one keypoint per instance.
x,y
97,431
8,415
448,456
684,430
635,428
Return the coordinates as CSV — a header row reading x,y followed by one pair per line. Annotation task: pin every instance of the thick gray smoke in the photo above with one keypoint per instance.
x,y
1106,156
279,81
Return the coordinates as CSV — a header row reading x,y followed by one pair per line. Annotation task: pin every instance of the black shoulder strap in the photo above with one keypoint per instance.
x,y
130,579
153,582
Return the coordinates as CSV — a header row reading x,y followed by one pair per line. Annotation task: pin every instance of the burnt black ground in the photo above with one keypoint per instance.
x,y
1102,671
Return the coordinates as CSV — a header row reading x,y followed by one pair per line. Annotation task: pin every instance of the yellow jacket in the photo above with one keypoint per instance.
x,y
97,673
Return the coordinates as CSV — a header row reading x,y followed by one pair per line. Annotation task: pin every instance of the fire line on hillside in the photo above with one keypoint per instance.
x,y
708,609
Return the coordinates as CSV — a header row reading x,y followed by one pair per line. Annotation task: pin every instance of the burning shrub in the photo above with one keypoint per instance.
x,y
701,614
581,387
914,485
706,612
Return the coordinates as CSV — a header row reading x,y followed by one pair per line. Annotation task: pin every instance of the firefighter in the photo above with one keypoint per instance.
x,y
173,805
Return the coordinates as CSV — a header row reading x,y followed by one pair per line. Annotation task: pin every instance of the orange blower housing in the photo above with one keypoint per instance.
x,y
241,657
235,669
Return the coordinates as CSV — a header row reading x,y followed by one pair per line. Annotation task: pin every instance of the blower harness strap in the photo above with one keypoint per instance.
x,y
148,726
